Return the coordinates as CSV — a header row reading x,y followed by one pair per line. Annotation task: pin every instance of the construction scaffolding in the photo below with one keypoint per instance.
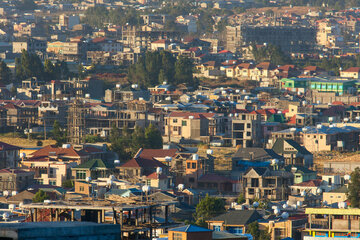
x,y
76,123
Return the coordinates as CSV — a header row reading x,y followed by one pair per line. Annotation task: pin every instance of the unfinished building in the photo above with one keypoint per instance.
x,y
288,38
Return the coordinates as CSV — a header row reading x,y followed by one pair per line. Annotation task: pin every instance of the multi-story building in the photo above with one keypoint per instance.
x,y
246,130
9,155
31,45
15,179
330,223
189,125
74,50
288,38
264,183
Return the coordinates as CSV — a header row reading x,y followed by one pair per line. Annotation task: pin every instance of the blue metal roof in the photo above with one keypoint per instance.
x,y
190,228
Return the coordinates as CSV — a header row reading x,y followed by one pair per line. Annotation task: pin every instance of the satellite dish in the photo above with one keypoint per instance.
x,y
159,170
347,177
284,215
256,204
285,206
277,211
88,179
146,188
180,187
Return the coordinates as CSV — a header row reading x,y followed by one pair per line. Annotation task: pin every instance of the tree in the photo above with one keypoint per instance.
x,y
153,137
256,233
68,184
49,70
119,143
58,134
240,199
29,65
354,189
40,196
137,139
5,73
184,71
207,208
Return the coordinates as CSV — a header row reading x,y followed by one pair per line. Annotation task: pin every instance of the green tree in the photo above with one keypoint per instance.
x,y
29,65
119,143
49,70
68,184
59,134
354,189
137,139
184,71
240,199
40,196
207,208
153,137
256,233
5,73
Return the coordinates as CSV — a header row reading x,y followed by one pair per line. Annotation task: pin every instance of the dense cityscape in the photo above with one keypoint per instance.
x,y
180,119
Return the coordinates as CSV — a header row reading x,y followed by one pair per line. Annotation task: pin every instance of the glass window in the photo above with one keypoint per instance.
x,y
80,174
217,228
183,123
177,236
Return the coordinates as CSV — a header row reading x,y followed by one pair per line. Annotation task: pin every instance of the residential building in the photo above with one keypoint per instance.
x,y
301,173
288,38
15,179
335,196
234,221
262,182
246,130
330,223
31,45
189,232
9,156
293,153
94,168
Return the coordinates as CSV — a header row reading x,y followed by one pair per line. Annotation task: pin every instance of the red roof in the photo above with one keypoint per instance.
x,y
8,170
59,151
353,69
99,39
310,183
313,68
157,153
162,41
186,115
154,175
224,51
338,103
139,162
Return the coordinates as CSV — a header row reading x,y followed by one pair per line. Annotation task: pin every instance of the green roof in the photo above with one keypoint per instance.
x,y
280,118
93,164
279,147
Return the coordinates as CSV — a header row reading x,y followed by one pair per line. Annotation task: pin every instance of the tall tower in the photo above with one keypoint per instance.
x,y
76,123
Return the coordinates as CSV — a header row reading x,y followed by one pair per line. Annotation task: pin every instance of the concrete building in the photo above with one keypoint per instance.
x,y
262,182
288,38
330,223
31,45
246,130
15,179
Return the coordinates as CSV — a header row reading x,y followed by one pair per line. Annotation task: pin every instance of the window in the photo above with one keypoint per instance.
x,y
188,165
175,129
217,228
52,182
80,174
81,188
148,182
183,123
193,165
235,230
248,134
248,125
177,236
175,120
